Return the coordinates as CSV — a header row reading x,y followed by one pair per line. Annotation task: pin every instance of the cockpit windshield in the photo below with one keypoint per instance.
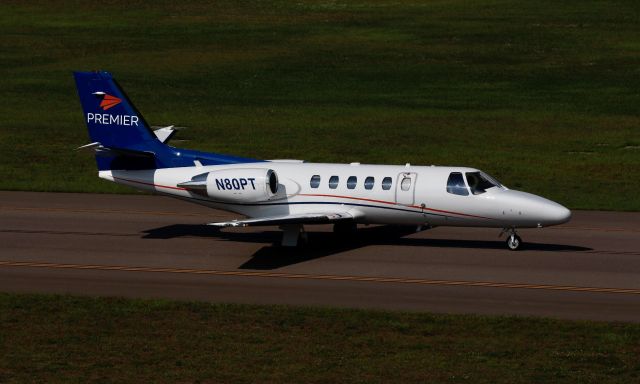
x,y
479,182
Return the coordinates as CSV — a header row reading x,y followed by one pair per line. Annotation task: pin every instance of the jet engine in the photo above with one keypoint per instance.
x,y
243,185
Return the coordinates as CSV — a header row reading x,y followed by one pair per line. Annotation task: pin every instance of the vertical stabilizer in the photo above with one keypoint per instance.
x,y
115,123
121,136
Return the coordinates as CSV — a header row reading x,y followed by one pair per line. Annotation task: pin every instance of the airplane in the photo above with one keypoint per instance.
x,y
292,193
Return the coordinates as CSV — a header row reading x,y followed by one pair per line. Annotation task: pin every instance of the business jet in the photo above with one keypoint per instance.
x,y
292,193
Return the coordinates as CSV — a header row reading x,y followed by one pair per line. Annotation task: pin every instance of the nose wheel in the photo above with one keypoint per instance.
x,y
513,240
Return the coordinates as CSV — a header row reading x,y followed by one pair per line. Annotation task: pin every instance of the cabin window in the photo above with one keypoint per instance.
x,y
368,182
456,185
480,182
333,182
351,182
315,181
405,184
386,183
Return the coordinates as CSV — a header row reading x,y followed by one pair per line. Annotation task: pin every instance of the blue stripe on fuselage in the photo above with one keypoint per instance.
x,y
318,203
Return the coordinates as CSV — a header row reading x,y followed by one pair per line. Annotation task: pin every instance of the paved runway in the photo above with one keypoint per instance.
x,y
151,246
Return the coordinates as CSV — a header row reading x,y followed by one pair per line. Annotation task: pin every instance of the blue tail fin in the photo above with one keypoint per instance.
x,y
123,136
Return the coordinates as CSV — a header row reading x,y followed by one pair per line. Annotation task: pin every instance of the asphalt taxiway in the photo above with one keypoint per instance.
x,y
152,246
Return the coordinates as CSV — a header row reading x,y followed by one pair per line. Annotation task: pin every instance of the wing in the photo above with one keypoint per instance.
x,y
302,218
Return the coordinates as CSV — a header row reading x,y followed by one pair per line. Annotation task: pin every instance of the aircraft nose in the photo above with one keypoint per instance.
x,y
535,210
549,212
557,214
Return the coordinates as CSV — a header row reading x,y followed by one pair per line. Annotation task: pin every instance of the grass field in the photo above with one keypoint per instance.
x,y
542,94
63,339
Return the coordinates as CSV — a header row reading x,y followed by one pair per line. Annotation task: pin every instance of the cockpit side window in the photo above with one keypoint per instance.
x,y
456,185
479,182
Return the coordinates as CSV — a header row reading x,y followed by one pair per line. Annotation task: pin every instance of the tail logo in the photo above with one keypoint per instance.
x,y
107,101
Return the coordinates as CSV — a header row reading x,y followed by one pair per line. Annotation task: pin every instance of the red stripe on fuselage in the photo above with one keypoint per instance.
x,y
333,196
394,203
349,197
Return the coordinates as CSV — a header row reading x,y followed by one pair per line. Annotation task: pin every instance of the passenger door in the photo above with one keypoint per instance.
x,y
405,188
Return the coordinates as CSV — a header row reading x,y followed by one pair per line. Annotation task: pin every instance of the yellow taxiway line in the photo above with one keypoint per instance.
x,y
282,275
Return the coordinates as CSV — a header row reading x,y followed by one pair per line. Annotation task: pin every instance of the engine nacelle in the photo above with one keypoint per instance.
x,y
247,185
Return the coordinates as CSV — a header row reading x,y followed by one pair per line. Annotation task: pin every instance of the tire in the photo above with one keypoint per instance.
x,y
514,242
348,228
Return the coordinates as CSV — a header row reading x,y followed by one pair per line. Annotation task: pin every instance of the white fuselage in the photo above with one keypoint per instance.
x,y
422,200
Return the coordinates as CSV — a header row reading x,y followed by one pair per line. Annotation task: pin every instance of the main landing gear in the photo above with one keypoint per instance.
x,y
293,235
513,240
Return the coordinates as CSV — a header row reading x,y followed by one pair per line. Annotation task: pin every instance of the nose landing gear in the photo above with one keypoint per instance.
x,y
513,240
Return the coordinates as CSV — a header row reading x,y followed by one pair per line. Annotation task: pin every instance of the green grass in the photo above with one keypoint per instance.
x,y
544,94
45,338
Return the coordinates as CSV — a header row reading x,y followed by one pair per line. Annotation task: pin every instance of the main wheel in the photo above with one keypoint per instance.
x,y
513,242
345,231
346,228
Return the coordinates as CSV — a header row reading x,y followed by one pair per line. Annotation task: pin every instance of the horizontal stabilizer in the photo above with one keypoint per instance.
x,y
302,218
90,146
164,134
101,150
286,161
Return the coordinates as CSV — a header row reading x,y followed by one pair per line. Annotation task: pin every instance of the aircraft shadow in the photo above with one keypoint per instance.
x,y
324,244
199,230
